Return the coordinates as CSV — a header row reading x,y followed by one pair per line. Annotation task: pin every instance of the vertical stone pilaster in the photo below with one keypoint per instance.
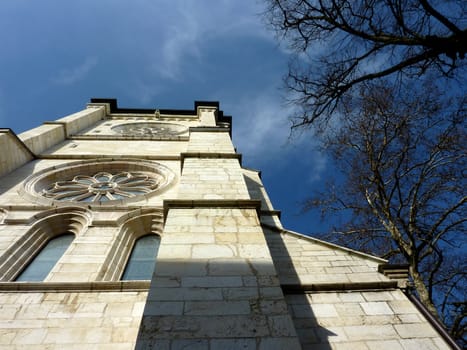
x,y
207,115
215,282
204,177
215,285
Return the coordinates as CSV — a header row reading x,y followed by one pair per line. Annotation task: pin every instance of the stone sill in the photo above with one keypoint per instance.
x,y
113,156
99,286
100,137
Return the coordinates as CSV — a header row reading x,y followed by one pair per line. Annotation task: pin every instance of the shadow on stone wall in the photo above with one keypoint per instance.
x,y
310,333
15,177
233,302
216,304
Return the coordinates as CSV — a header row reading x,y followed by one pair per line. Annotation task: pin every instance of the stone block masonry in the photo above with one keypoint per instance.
x,y
87,320
361,320
223,279
217,286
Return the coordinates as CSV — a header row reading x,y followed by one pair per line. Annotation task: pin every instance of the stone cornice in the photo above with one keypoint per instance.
x,y
213,155
336,287
18,141
211,203
324,243
104,286
114,157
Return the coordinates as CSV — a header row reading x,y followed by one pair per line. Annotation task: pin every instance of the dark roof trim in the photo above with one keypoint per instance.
x,y
115,109
220,117
437,325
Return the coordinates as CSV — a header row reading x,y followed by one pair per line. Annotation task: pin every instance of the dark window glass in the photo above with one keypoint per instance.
x,y
43,263
142,260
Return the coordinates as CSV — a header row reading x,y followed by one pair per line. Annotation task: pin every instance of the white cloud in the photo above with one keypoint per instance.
x,y
75,74
171,39
262,131
260,123
188,26
142,91
180,42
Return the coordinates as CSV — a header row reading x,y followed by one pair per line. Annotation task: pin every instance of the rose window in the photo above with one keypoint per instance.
x,y
102,187
99,181
149,129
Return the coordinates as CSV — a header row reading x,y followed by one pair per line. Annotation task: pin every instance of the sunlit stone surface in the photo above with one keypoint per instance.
x,y
227,276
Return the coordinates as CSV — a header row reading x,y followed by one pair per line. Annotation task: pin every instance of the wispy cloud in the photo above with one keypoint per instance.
x,y
189,27
75,74
261,123
262,131
181,42
143,91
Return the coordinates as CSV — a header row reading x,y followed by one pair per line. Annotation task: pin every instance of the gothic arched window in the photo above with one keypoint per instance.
x,y
44,262
142,261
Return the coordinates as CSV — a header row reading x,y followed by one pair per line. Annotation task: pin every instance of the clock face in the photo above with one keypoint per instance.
x,y
149,129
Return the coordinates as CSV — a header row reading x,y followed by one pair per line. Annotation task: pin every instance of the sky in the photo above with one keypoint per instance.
x,y
55,55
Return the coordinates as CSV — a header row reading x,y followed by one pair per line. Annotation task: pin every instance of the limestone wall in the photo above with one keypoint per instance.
x,y
81,120
97,148
301,259
212,178
13,192
41,138
13,154
256,189
366,320
216,142
361,313
215,286
58,320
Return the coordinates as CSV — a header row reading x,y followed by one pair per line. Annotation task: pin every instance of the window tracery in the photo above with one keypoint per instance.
x,y
149,129
100,181
102,186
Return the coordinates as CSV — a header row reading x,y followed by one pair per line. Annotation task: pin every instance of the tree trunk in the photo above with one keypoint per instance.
x,y
422,291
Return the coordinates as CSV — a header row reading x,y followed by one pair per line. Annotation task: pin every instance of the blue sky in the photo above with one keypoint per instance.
x,y
57,54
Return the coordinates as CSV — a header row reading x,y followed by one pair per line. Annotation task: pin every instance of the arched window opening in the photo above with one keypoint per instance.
x,y
39,268
142,260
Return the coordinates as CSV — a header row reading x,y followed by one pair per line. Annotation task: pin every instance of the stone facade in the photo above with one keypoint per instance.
x,y
228,275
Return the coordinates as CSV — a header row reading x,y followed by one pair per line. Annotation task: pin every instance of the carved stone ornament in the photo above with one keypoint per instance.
x,y
149,129
100,181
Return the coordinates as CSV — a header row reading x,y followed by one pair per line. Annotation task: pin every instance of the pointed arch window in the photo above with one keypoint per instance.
x,y
41,265
142,261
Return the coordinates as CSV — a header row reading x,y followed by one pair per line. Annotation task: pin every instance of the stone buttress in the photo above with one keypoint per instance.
x,y
215,285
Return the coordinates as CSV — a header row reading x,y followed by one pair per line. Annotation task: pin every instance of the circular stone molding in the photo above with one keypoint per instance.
x,y
2,215
149,129
103,182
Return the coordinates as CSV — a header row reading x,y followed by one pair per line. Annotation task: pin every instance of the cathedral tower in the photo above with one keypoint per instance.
x,y
91,202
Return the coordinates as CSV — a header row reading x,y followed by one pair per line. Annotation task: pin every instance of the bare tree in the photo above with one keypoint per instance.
x,y
344,43
402,155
